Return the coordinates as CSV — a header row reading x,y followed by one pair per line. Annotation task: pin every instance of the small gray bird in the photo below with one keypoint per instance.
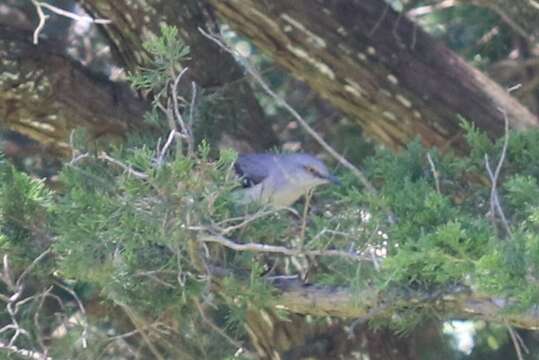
x,y
279,179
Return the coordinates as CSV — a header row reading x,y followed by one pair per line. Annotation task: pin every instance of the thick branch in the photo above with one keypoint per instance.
x,y
382,70
363,303
44,95
235,107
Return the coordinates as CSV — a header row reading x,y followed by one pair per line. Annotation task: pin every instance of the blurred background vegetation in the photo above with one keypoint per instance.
x,y
119,274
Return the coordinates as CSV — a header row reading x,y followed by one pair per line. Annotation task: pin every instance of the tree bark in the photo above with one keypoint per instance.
x,y
377,67
462,303
236,116
45,95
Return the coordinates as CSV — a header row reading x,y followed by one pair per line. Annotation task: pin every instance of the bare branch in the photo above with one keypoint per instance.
x,y
308,196
427,9
185,127
104,156
42,19
84,322
435,173
132,315
516,342
31,266
39,5
249,219
173,133
28,354
14,301
495,206
174,97
220,331
37,325
264,248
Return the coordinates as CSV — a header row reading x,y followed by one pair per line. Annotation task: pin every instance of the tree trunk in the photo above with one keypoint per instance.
x,y
377,67
44,95
237,114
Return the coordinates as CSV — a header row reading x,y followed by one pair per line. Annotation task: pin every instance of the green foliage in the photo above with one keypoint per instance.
x,y
131,240
127,232
168,52
475,32
24,204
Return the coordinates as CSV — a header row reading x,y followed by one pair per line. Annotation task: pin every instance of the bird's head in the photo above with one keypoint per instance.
x,y
309,170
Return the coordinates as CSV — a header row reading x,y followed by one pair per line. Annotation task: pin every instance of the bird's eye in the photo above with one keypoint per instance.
x,y
311,170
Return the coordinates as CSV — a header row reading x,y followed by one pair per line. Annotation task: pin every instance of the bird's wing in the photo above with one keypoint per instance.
x,y
252,169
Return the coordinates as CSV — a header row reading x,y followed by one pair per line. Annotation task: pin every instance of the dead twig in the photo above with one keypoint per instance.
x,y
39,5
27,354
173,134
31,266
185,128
14,301
104,156
220,331
435,173
427,9
249,219
517,341
256,247
84,323
379,20
308,196
495,206
132,315
37,325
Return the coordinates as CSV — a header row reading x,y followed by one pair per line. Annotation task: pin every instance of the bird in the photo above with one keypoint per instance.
x,y
279,179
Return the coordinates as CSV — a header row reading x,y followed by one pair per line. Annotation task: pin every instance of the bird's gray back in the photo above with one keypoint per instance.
x,y
252,168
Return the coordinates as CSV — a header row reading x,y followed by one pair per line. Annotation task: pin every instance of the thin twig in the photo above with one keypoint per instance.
x,y
495,206
427,9
28,354
39,5
379,20
13,304
434,173
42,19
185,128
104,156
37,325
257,215
151,275
71,15
192,107
173,133
31,266
256,76
308,196
515,341
140,327
6,275
220,331
176,108
256,247
84,322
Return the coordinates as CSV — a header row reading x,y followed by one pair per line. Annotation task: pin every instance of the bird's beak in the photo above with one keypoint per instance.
x,y
333,179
